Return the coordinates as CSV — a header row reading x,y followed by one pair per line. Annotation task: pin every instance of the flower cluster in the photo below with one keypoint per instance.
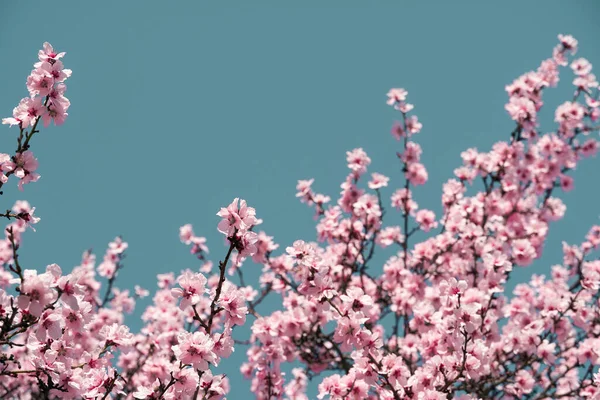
x,y
237,223
46,89
46,101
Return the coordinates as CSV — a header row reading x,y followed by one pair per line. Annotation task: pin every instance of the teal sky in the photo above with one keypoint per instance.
x,y
178,107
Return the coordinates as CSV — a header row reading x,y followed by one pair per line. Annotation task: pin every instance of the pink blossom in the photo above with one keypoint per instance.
x,y
234,303
56,112
398,131
521,109
192,287
28,111
36,292
186,233
523,252
237,217
116,335
50,326
49,54
141,292
358,161
40,82
413,126
186,381
264,246
23,167
401,199
390,235
396,95
568,42
247,244
417,174
426,220
378,181
195,349
143,392
581,66
301,252
304,189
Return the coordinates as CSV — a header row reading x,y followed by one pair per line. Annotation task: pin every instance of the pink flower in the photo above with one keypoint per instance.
x,y
57,96
568,42
264,246
412,153
581,67
75,320
121,301
524,382
569,114
195,349
566,183
50,325
40,82
116,335
426,220
378,181
453,287
358,161
398,130
301,252
245,245
396,96
234,303
23,167
141,292
546,351
36,292
186,233
107,268
56,112
417,174
521,109
402,199
523,252
223,344
237,217
11,121
25,211
413,126
186,382
70,290
355,299
165,280
331,385
48,54
216,386
304,188
192,287
56,70
143,392
347,331
117,246
388,236
29,110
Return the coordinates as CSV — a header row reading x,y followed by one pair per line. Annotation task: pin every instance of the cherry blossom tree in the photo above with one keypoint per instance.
x,y
433,322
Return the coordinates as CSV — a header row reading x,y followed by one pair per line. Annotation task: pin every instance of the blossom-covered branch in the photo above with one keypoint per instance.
x,y
431,321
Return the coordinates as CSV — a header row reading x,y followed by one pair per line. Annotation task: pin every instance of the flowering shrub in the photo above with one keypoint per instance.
x,y
435,324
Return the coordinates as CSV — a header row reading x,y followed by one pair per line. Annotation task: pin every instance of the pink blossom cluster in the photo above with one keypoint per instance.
x,y
433,321
46,101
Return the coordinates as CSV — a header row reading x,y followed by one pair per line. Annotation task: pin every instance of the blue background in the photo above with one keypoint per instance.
x,y
178,107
